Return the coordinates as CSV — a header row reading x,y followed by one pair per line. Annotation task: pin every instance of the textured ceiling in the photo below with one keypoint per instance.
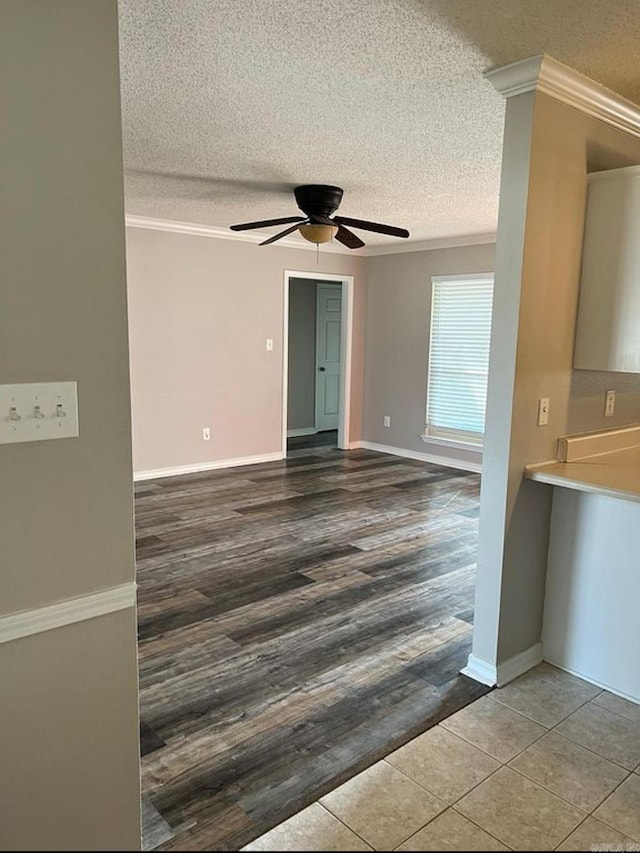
x,y
229,104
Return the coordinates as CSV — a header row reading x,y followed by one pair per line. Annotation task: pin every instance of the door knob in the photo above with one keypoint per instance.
x,y
322,369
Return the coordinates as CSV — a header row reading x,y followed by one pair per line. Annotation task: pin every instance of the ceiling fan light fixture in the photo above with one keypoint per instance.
x,y
318,233
318,203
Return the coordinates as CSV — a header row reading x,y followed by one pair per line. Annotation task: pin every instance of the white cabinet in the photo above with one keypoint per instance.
x,y
608,328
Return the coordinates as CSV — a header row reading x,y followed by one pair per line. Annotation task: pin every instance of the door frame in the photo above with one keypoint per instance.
x,y
346,344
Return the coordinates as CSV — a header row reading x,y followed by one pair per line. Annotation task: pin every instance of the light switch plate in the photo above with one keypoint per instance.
x,y
609,403
38,411
543,411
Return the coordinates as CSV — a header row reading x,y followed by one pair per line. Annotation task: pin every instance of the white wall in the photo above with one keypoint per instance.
x,y
593,589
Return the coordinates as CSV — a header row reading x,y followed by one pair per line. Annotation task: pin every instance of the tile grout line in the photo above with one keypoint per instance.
x,y
545,733
462,737
562,840
475,823
554,793
604,708
606,822
429,791
547,728
457,810
526,716
451,805
451,808
533,781
346,825
461,797
565,737
424,788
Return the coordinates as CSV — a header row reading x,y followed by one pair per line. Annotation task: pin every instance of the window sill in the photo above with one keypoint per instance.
x,y
459,444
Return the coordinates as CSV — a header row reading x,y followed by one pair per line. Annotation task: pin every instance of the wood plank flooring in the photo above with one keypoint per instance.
x,y
297,621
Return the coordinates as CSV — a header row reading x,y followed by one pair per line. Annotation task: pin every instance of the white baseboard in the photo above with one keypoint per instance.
x,y
519,664
447,461
481,671
13,626
206,466
291,433
503,673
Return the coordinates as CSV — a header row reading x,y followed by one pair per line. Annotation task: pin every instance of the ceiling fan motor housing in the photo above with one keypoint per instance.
x,y
318,199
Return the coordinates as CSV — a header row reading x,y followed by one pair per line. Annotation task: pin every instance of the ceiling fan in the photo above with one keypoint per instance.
x,y
318,202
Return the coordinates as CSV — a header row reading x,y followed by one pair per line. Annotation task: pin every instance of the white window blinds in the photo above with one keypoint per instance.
x,y
459,356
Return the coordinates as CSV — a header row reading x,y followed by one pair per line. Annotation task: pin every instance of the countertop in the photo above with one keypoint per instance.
x,y
615,474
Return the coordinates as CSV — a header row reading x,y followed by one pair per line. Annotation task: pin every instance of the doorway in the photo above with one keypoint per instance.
x,y
317,342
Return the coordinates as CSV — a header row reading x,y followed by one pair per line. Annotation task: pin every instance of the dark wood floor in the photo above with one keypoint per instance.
x,y
326,438
297,621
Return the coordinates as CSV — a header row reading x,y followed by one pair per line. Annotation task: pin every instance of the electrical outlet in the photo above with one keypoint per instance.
x,y
206,434
543,411
609,403
269,344
386,421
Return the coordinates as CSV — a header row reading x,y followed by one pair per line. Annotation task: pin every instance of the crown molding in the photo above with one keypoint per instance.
x,y
517,77
543,74
152,224
428,245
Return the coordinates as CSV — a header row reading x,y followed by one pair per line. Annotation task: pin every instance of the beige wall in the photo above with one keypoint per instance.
x,y
68,749
301,391
68,716
200,312
548,149
586,406
397,342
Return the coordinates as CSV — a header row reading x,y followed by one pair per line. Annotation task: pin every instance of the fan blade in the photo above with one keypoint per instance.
x,y
372,226
343,235
348,238
245,226
284,233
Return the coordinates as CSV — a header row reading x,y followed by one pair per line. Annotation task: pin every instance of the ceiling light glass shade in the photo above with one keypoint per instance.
x,y
318,233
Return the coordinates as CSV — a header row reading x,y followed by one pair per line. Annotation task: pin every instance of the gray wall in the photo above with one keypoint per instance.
x,y
397,341
68,715
301,400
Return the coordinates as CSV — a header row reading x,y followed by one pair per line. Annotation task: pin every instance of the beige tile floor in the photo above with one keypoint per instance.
x,y
547,762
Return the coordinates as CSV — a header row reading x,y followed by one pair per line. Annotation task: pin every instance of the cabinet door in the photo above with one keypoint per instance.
x,y
608,328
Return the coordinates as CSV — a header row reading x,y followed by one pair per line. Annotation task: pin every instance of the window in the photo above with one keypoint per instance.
x,y
459,357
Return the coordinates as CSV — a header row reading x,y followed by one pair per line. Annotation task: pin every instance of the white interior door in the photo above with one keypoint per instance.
x,y
328,355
